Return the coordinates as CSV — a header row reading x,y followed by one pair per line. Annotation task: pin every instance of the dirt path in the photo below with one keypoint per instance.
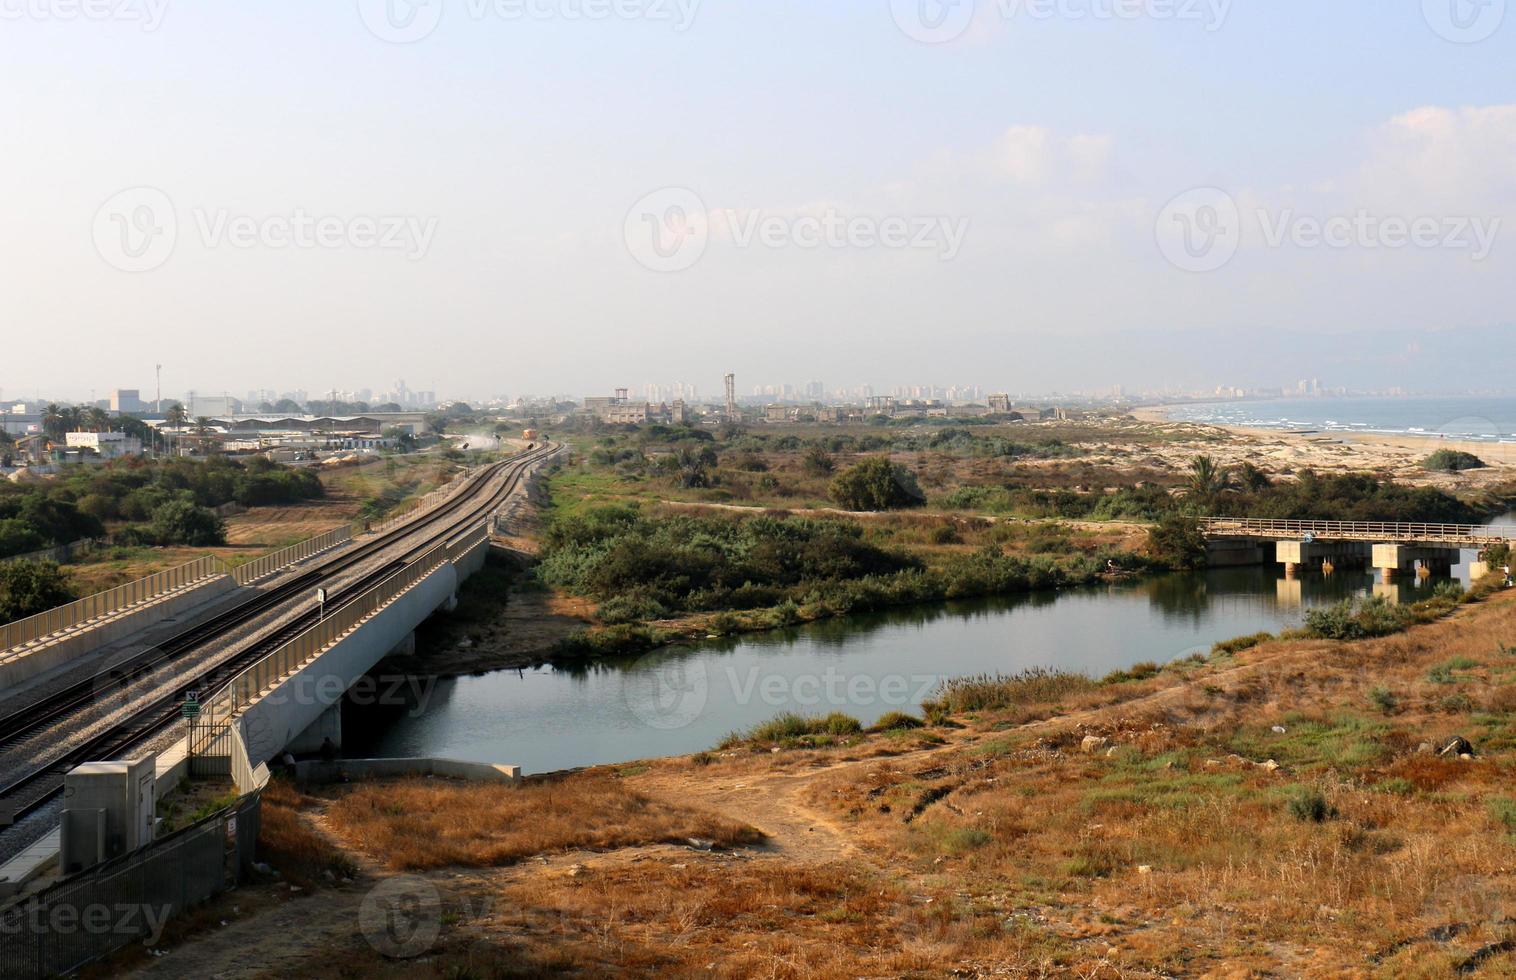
x,y
300,929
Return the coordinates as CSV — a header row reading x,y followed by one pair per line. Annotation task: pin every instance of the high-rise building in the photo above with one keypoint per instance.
x,y
127,400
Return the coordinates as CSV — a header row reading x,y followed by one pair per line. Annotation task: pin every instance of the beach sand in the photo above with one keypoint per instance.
x,y
1281,451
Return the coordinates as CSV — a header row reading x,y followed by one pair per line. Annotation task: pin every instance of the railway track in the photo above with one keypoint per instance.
x,y
30,790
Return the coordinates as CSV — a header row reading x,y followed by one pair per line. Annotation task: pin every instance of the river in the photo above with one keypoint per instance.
x,y
684,699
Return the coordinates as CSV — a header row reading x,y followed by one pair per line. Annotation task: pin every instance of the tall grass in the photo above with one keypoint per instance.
x,y
987,692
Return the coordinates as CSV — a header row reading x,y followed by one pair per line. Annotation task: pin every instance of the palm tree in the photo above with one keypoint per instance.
x,y
203,432
175,418
96,419
1207,478
53,423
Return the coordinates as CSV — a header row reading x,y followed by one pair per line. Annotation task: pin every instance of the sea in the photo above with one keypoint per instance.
x,y
1474,419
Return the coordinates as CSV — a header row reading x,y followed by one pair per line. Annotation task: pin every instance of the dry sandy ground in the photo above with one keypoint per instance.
x,y
1281,452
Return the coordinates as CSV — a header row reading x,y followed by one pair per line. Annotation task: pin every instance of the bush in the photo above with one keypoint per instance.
x,y
791,727
31,587
1382,699
16,538
897,721
1357,619
182,522
1177,543
1452,461
1310,806
876,484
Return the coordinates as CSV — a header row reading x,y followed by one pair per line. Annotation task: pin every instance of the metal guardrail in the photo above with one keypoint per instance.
x,y
90,915
219,710
426,502
260,568
1470,535
101,604
84,611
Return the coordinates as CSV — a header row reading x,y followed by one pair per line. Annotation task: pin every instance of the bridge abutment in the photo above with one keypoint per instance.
x,y
1235,552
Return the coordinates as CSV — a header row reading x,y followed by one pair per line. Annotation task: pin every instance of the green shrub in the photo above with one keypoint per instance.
x,y
31,587
1357,619
790,727
1310,806
1451,461
1383,699
1177,543
895,721
876,484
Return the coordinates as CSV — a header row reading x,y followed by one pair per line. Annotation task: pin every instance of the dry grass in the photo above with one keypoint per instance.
x,y
291,845
1170,850
427,823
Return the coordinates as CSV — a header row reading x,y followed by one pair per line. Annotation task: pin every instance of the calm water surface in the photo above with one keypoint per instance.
x,y
684,699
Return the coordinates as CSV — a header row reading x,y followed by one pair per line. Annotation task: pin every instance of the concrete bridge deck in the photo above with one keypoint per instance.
x,y
1447,535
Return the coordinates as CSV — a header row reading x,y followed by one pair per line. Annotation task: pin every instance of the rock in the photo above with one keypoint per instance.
x,y
1144,869
1425,748
701,844
1457,746
576,870
1278,729
1093,744
1271,766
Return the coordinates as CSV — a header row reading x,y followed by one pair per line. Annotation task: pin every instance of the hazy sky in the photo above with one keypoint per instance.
x,y
567,195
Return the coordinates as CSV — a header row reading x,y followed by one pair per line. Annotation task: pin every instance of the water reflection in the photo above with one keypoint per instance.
x,y
685,699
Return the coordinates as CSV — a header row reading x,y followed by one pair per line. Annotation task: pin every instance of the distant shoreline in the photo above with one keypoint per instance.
x,y
1373,444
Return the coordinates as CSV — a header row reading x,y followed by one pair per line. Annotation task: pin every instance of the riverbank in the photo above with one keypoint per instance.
x,y
1297,807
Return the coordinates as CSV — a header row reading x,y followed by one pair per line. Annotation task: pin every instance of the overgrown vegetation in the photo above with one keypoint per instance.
x,y
142,501
30,587
643,567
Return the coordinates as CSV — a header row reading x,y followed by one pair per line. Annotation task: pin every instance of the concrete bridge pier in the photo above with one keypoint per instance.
x,y
1295,554
1424,560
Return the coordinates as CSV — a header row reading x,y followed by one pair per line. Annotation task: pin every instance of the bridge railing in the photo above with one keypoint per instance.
x,y
1358,530
426,502
218,711
107,603
261,568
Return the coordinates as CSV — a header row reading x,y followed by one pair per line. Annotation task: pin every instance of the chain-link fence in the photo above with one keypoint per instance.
x,y
130,898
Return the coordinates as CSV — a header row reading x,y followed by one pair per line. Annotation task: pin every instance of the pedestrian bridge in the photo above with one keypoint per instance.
x,y
1392,548
1456,535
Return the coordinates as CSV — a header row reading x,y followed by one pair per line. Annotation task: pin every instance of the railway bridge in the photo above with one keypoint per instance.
x,y
1394,549
257,659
